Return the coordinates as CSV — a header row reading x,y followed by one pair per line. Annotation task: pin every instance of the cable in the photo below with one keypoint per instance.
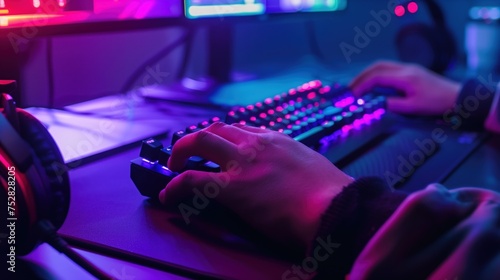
x,y
154,59
314,46
312,38
50,236
50,72
187,54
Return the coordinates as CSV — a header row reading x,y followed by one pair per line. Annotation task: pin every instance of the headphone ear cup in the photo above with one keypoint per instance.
x,y
432,47
51,163
448,54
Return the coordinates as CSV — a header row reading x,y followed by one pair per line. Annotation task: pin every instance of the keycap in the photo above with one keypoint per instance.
x,y
178,135
209,166
150,149
311,113
192,129
164,155
195,162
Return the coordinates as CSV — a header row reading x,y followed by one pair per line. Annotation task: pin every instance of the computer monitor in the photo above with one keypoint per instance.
x,y
293,6
219,18
220,32
218,8
56,17
76,16
22,21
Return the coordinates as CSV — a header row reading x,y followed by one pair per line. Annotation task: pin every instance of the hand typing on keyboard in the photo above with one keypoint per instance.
x,y
267,174
276,184
425,92
314,114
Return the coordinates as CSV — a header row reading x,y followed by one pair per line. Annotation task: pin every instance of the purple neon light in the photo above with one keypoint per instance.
x,y
344,102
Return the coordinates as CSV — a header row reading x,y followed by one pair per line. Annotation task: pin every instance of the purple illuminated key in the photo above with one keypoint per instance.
x,y
178,135
214,120
204,124
150,149
164,155
192,128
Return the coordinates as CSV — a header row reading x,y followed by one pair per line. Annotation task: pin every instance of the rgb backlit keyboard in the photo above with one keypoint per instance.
x,y
314,114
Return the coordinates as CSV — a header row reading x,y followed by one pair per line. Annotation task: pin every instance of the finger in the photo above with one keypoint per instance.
x,y
384,78
252,129
204,144
419,218
376,67
401,105
476,194
188,184
228,132
373,70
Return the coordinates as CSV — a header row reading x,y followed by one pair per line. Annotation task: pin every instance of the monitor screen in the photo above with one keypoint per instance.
x,y
43,13
292,6
218,8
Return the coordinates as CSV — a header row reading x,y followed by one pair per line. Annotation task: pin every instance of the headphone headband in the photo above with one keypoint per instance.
x,y
436,12
15,147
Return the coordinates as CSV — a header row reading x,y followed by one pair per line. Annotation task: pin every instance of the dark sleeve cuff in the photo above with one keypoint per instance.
x,y
474,103
352,218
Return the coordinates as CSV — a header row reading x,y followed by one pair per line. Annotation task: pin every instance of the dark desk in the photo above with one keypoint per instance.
x,y
481,169
120,215
46,263
108,215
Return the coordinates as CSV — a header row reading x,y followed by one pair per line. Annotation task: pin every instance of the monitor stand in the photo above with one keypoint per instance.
x,y
220,40
187,91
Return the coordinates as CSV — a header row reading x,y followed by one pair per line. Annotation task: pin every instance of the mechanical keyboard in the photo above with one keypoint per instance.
x,y
353,133
314,114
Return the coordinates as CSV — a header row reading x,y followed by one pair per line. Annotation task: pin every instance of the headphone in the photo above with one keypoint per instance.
x,y
34,180
35,188
432,46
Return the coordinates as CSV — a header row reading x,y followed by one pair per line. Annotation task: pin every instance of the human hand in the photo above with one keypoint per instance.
x,y
436,233
276,184
425,93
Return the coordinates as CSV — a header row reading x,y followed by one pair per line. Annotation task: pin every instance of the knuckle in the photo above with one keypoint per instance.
x,y
187,178
266,138
201,136
425,201
215,126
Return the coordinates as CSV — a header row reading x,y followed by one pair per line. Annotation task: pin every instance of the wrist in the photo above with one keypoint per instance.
x,y
350,221
473,103
453,95
315,208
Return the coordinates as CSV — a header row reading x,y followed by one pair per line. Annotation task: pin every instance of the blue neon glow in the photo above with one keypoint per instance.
x,y
220,8
213,8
